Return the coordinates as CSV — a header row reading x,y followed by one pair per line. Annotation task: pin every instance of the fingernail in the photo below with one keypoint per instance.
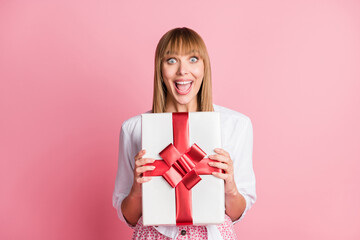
x,y
153,167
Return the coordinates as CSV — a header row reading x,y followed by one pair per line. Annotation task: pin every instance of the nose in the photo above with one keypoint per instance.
x,y
182,69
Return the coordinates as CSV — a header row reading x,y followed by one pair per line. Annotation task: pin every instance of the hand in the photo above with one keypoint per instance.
x,y
225,163
139,170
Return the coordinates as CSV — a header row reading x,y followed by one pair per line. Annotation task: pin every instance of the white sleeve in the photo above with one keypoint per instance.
x,y
125,176
243,167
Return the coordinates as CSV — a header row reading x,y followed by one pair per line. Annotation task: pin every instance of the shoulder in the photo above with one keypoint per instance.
x,y
132,124
229,115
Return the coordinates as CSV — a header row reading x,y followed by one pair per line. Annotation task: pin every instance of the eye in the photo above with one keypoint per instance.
x,y
171,60
194,59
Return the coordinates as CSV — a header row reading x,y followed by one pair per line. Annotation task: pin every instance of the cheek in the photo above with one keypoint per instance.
x,y
167,72
166,78
199,71
200,75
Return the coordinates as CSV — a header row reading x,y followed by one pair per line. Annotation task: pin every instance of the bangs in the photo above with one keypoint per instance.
x,y
184,44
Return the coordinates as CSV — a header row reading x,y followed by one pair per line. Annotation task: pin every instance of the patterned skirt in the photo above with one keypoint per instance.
x,y
186,232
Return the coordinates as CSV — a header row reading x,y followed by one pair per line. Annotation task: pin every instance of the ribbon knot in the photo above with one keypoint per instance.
x,y
181,166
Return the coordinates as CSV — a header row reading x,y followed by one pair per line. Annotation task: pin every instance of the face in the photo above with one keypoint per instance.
x,y
182,75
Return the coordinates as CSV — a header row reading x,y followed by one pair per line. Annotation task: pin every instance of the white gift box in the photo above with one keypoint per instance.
x,y
158,196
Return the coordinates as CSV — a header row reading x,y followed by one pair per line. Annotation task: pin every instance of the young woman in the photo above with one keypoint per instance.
x,y
182,83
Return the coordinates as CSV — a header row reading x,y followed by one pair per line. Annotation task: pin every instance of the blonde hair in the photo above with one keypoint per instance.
x,y
185,40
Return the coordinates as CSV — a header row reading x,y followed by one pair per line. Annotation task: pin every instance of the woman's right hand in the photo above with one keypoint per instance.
x,y
139,170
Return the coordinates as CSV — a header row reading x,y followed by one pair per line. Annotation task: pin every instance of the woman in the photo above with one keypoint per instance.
x,y
182,83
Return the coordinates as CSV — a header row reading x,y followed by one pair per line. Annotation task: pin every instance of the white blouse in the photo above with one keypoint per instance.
x,y
236,139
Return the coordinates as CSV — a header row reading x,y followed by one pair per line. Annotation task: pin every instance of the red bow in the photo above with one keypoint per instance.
x,y
182,166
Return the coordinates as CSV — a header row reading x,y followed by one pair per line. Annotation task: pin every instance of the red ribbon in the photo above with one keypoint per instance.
x,y
181,167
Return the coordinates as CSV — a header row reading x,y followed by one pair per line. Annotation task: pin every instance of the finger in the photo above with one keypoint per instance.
x,y
140,154
142,169
223,176
220,165
143,179
222,152
143,161
220,158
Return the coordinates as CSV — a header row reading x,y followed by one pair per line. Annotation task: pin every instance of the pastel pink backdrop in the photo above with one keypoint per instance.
x,y
72,71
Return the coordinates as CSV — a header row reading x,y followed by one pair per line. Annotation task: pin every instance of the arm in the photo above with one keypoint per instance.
x,y
131,206
235,203
127,192
239,176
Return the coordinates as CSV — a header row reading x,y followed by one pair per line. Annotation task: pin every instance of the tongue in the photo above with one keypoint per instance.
x,y
183,87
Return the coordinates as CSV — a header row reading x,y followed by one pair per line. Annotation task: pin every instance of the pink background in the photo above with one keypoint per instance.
x,y
72,71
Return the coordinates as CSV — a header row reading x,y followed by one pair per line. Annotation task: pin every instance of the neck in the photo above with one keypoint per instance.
x,y
176,107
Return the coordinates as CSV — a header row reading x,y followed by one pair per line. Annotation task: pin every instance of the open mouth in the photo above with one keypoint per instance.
x,y
183,87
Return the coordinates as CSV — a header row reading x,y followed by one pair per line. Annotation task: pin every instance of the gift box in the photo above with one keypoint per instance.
x,y
182,190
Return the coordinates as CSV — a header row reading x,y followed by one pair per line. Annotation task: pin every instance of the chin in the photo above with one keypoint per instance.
x,y
183,101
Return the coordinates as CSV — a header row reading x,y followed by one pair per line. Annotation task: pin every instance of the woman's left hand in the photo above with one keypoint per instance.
x,y
225,163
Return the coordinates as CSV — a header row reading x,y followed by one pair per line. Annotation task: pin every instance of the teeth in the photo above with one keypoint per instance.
x,y
184,82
